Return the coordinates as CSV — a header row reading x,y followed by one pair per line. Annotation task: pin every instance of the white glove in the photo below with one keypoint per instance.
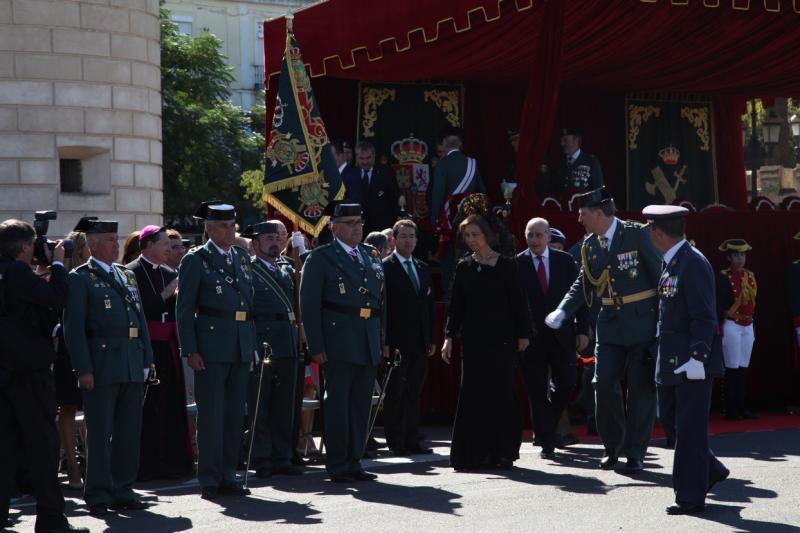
x,y
146,373
694,369
298,242
554,319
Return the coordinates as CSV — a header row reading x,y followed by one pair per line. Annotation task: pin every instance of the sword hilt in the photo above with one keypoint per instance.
x,y
267,351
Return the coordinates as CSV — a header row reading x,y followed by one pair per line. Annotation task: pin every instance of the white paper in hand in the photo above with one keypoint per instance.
x,y
554,319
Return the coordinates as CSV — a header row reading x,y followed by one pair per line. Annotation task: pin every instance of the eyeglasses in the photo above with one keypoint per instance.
x,y
351,223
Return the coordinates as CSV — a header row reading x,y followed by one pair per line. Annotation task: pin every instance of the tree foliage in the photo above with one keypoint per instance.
x,y
207,141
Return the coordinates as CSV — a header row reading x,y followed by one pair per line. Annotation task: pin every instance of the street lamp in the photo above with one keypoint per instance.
x,y
771,128
753,152
794,122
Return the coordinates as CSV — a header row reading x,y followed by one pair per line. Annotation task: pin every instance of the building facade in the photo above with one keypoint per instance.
x,y
239,25
80,111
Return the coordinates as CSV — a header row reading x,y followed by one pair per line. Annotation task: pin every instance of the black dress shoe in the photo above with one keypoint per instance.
x,y
66,528
209,493
716,479
420,450
130,505
548,455
98,509
634,465
609,460
362,475
373,444
563,442
263,472
685,508
399,452
288,470
341,478
370,454
232,489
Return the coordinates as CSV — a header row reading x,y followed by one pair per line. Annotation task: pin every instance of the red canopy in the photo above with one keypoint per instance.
x,y
729,49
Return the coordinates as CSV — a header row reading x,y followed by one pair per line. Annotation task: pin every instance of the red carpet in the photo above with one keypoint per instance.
x,y
717,425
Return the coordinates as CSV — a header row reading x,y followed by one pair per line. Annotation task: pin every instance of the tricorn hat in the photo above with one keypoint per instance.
x,y
254,230
735,245
595,198
94,225
341,208
215,210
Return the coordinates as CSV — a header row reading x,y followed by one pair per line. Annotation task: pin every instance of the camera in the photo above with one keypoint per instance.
x,y
41,223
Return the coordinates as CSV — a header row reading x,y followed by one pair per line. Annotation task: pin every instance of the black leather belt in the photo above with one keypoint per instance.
x,y
124,333
238,316
270,316
360,312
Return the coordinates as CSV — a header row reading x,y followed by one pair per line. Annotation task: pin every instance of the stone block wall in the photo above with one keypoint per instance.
x,y
80,79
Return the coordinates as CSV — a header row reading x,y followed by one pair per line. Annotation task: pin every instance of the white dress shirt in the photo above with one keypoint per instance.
x,y
672,251
403,264
348,249
609,234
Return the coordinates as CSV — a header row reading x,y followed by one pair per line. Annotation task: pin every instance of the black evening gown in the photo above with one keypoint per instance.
x,y
488,310
165,450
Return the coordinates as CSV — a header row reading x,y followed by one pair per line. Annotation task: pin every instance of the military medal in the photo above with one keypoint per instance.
x,y
341,288
633,273
669,287
107,302
219,289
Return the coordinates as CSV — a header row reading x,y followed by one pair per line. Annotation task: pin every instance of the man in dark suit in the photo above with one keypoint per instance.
x,y
547,276
374,187
27,393
409,328
687,359
576,171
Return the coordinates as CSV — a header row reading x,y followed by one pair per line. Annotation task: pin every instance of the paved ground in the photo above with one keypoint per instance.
x,y
422,494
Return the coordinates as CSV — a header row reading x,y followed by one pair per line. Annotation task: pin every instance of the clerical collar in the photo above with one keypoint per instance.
x,y
146,260
105,266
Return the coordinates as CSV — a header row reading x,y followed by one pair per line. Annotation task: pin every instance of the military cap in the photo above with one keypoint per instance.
x,y
338,209
570,131
556,235
254,230
94,225
655,212
595,198
215,210
735,245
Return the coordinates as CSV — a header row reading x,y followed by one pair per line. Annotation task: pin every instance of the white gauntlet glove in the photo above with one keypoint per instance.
x,y
555,319
298,242
694,369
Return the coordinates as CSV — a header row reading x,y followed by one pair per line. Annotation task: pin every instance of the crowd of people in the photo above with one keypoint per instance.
x,y
248,322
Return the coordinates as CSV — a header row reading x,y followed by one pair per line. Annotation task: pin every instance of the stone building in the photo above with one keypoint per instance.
x,y
80,111
238,23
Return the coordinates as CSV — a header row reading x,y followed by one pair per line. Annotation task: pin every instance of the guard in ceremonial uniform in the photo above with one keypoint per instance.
x,y
274,313
621,267
688,357
738,337
215,326
106,334
576,171
342,297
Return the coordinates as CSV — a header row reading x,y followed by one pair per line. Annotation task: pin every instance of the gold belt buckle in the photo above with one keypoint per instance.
x,y
619,301
133,333
241,316
364,312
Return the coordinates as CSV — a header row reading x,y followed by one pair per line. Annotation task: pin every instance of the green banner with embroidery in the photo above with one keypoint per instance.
x,y
670,152
300,176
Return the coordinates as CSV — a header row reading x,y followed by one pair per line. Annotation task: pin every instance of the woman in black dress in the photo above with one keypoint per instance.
x,y
488,310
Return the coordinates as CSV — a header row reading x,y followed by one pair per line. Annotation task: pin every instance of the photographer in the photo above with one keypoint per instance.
x,y
27,394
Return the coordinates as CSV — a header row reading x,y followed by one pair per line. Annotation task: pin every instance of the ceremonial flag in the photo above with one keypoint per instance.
x,y
301,176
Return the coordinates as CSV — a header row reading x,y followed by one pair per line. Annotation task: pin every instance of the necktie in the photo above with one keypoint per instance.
x,y
542,275
354,255
412,275
570,159
227,257
603,242
272,268
365,184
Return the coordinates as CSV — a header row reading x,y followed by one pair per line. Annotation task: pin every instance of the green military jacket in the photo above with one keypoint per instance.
x,y
104,325
631,266
216,287
448,174
274,307
332,278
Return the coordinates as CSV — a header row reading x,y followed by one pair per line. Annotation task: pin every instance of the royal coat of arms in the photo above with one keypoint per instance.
x,y
413,175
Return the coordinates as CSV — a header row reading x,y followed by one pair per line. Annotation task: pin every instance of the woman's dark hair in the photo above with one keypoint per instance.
x,y
131,249
483,225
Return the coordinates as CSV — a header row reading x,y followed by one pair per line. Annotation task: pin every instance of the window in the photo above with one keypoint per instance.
x,y
71,173
184,24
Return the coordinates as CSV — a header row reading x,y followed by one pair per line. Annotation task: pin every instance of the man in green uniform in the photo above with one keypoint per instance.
x,y
274,313
342,298
215,327
621,267
106,334
455,176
